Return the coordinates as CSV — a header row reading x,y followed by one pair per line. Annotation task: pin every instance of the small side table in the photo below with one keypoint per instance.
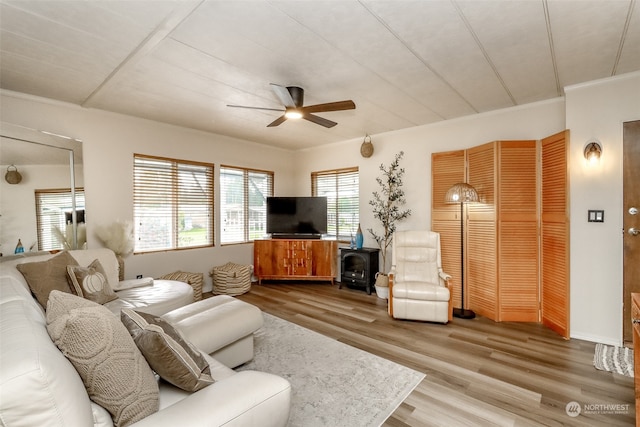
x,y
358,267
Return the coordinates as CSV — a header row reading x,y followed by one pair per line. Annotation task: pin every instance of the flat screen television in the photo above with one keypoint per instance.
x,y
297,217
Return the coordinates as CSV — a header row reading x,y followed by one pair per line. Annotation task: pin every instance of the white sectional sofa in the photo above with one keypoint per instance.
x,y
159,298
39,385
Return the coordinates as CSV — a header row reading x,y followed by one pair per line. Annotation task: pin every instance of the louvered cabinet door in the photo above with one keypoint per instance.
x,y
554,233
447,169
518,232
481,233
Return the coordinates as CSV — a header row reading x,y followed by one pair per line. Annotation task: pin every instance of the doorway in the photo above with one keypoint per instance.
x,y
631,220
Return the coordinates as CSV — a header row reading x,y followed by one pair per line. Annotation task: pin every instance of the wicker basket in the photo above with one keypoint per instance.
x,y
193,279
231,279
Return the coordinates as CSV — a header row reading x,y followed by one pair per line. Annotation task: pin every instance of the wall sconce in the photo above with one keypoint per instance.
x,y
593,151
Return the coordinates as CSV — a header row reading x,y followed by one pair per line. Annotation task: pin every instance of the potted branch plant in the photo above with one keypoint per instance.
x,y
387,204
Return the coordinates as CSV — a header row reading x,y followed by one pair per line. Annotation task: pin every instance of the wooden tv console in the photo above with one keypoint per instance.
x,y
295,259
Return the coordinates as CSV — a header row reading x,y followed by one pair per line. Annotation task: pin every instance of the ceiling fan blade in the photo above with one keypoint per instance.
x,y
330,106
277,121
256,108
319,120
284,95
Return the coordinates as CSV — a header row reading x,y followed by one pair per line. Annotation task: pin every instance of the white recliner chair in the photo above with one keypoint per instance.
x,y
418,288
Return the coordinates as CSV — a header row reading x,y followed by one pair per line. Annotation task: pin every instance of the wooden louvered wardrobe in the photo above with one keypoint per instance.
x,y
521,220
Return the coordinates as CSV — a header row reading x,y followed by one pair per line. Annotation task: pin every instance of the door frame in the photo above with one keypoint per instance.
x,y
631,244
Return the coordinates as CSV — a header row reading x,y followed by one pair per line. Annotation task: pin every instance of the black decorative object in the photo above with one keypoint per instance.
x,y
358,267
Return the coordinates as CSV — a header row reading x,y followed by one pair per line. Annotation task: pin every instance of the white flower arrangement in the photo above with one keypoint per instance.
x,y
117,236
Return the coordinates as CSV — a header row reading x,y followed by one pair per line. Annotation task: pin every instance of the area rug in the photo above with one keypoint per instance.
x,y
614,359
333,384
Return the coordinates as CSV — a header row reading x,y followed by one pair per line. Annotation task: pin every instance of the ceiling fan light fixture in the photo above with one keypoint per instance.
x,y
292,98
293,113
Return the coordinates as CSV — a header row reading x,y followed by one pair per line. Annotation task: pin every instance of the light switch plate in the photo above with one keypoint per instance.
x,y
595,216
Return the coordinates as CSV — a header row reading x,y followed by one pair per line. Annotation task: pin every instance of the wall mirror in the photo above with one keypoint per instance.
x,y
45,210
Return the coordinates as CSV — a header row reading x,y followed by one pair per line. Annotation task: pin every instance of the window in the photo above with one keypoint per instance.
x,y
243,203
341,188
53,213
172,204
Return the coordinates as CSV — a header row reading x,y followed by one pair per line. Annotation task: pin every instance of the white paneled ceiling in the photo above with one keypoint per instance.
x,y
404,63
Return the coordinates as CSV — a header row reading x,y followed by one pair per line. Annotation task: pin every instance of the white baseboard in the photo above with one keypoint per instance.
x,y
596,339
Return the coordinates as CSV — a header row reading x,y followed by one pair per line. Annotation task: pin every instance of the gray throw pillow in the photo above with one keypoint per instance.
x,y
91,282
114,372
46,276
168,353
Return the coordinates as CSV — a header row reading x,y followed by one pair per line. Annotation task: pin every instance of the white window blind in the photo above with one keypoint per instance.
x,y
243,208
172,204
53,213
341,188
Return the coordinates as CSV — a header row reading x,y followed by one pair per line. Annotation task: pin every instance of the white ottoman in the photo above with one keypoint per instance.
x,y
221,326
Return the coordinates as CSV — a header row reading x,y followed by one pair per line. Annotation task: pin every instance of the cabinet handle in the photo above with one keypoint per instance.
x,y
635,321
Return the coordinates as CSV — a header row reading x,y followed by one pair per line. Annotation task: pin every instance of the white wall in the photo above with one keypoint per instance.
x,y
109,142
598,110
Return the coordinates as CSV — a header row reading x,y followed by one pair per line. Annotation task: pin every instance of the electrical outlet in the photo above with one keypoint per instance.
x,y
139,276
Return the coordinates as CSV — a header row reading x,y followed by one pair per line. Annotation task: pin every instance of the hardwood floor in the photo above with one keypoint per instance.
x,y
478,372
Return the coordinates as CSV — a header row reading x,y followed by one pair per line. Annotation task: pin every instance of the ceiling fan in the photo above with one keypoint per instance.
x,y
292,97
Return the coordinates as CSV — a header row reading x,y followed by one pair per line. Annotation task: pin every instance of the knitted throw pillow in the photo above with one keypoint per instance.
x,y
114,372
167,351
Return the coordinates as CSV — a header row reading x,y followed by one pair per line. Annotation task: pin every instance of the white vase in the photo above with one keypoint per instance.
x,y
120,267
382,292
